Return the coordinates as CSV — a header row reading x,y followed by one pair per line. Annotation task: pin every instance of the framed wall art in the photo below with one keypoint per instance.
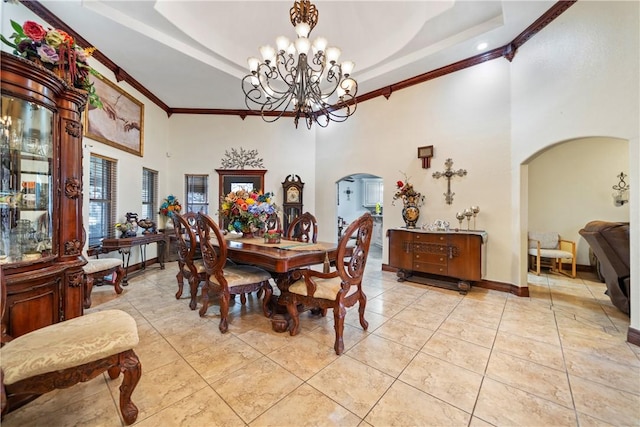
x,y
120,121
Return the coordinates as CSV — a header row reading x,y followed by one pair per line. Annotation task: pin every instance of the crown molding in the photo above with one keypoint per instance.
x,y
507,51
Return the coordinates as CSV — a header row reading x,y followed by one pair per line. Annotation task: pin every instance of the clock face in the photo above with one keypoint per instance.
x,y
293,195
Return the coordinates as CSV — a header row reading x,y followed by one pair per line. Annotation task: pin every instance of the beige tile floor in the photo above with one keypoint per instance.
x,y
431,357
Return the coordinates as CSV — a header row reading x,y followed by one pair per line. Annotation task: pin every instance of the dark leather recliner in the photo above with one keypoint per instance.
x,y
609,241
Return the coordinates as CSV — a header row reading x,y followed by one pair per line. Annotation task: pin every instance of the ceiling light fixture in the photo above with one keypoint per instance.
x,y
316,88
482,46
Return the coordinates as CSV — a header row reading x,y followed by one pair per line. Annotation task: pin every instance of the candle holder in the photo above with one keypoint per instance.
x,y
460,217
475,210
468,213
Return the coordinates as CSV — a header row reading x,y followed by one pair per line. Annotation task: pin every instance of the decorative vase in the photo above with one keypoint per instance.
x,y
246,231
410,214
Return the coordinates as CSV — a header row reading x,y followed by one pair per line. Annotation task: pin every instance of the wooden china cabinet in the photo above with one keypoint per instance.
x,y
41,231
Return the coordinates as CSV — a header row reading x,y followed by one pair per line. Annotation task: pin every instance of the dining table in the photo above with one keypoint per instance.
x,y
281,258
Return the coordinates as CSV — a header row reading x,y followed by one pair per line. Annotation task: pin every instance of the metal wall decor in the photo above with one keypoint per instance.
x,y
448,173
239,159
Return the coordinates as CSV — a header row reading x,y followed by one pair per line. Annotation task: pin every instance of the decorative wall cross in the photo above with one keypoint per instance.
x,y
448,173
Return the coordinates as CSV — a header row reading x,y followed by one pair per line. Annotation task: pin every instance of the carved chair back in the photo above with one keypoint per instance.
x,y
185,229
352,269
272,223
213,258
304,228
188,253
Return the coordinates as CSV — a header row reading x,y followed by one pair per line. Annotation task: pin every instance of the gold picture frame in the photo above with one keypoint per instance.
x,y
120,122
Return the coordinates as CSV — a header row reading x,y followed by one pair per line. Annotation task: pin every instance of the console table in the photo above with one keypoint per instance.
x,y
437,257
125,244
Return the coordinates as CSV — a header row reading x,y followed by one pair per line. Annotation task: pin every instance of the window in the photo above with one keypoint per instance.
x,y
197,191
102,199
149,194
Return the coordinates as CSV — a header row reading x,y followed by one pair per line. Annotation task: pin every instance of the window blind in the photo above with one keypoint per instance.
x,y
197,193
102,198
149,194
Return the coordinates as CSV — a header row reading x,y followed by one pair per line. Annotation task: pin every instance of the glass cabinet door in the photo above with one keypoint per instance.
x,y
26,201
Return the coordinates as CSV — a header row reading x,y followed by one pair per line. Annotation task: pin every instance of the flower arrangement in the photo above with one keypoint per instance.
x,y
54,48
125,229
169,206
247,211
407,194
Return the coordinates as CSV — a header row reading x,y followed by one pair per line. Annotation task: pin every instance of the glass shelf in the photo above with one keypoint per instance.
x,y
26,174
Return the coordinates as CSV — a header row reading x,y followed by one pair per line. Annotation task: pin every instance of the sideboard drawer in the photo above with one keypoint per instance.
x,y
425,267
430,238
440,259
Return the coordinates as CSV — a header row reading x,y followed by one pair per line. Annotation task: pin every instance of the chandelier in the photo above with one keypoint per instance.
x,y
289,81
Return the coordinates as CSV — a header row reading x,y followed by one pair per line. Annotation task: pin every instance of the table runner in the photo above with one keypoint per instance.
x,y
291,245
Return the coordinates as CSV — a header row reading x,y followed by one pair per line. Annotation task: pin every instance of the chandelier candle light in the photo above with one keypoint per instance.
x,y
316,88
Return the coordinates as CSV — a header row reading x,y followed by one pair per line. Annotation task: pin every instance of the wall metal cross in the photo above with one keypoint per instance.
x,y
448,173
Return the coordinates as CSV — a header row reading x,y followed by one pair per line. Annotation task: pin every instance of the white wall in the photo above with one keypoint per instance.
x,y
198,144
465,116
570,185
579,77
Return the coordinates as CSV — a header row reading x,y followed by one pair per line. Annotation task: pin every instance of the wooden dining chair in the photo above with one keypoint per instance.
x,y
273,223
226,280
338,289
304,228
190,265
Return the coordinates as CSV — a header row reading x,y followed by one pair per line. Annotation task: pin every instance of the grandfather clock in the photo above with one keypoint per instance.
x,y
292,205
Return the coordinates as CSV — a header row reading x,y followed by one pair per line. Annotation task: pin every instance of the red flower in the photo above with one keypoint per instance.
x,y
34,31
66,38
400,184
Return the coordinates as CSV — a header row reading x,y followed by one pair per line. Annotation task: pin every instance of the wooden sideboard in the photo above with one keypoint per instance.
x,y
447,259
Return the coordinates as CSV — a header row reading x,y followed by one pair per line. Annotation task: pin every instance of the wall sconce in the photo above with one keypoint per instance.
x,y
621,196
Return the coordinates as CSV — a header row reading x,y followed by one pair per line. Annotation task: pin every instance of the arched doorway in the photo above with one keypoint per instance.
x,y
358,193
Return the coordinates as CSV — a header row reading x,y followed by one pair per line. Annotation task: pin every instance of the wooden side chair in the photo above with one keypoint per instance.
x,y
549,245
96,270
69,352
225,279
304,228
338,289
190,265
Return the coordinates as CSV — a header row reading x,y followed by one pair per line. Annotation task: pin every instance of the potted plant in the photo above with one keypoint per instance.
x,y
272,236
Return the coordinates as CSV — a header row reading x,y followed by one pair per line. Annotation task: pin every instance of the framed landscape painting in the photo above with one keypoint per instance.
x,y
120,121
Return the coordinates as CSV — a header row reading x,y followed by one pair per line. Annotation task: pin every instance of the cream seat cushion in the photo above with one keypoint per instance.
x,y
199,266
551,253
325,288
95,265
239,275
67,344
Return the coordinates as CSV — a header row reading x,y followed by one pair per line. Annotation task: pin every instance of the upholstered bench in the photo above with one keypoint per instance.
x,y
96,269
66,353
